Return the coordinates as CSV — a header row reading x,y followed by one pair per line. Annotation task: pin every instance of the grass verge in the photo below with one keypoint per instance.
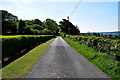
x,y
21,66
107,63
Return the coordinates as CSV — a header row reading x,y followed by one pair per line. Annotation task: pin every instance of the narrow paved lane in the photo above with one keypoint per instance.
x,y
60,60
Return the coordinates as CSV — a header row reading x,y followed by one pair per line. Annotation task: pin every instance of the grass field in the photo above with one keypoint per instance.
x,y
105,62
21,66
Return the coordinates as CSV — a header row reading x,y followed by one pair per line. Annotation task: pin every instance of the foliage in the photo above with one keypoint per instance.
x,y
99,44
107,63
37,21
68,28
11,45
95,34
22,26
11,25
8,16
51,26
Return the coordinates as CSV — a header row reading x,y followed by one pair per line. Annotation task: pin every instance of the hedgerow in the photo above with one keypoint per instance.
x,y
100,44
12,45
104,53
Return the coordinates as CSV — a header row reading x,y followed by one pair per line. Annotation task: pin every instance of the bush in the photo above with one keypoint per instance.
x,y
107,63
11,45
99,44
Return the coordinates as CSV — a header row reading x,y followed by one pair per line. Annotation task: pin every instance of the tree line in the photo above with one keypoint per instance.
x,y
11,25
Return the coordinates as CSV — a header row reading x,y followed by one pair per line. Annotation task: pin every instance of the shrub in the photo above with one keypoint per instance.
x,y
99,44
14,44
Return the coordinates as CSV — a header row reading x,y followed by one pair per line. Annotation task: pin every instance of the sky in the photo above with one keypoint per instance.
x,y
90,16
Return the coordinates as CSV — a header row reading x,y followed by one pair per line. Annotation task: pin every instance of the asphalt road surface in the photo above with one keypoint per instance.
x,y
60,60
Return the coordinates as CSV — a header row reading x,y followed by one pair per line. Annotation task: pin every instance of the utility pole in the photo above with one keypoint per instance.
x,y
68,26
68,18
71,14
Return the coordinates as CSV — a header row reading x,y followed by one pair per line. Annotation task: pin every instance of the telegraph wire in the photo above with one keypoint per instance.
x,y
74,9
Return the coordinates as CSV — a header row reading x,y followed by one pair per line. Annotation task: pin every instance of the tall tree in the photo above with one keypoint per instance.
x,y
22,26
9,23
68,28
51,26
37,21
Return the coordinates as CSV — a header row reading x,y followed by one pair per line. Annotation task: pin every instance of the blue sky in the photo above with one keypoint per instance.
x,y
89,16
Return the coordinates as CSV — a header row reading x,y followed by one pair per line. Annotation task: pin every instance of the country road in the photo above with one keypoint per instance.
x,y
60,60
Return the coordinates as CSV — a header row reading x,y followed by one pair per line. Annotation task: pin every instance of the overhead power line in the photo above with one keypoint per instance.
x,y
75,8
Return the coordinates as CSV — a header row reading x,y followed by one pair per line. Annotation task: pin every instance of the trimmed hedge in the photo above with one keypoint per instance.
x,y
20,67
11,45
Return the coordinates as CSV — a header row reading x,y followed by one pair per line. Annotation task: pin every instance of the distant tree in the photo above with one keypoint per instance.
x,y
116,36
98,34
77,28
28,22
51,26
88,33
101,35
28,30
109,36
113,37
38,27
37,21
46,31
22,26
13,27
95,34
68,28
6,16
9,23
105,36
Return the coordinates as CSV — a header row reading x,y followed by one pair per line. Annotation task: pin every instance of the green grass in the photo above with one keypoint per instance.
x,y
21,66
105,62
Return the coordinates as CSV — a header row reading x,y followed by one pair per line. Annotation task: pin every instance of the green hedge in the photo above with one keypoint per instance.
x,y
14,44
100,44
